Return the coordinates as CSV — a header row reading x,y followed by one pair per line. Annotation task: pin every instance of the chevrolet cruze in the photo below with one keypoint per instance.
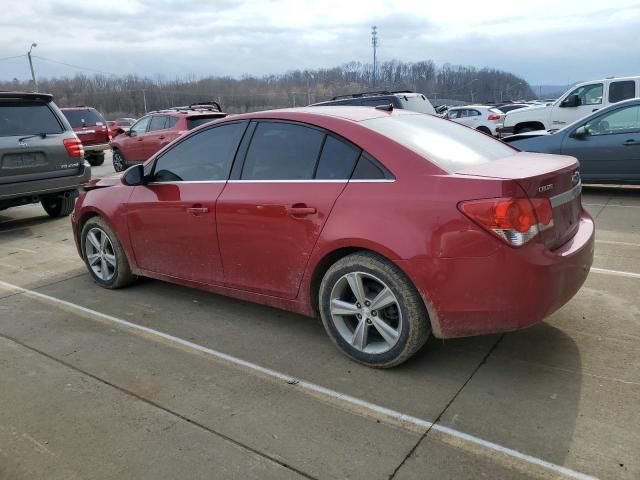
x,y
390,225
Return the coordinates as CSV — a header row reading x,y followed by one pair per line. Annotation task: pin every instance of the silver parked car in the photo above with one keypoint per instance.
x,y
41,158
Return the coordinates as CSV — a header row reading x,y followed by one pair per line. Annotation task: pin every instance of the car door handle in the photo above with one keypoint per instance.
x,y
631,143
161,137
301,210
595,109
197,210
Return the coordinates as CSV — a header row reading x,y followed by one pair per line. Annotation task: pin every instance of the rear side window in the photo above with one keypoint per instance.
x,y
337,160
417,103
82,118
158,122
205,156
447,144
624,90
368,169
282,151
374,102
27,118
193,122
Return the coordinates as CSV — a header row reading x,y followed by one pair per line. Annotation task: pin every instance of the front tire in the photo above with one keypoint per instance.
x,y
95,159
372,311
58,206
104,256
119,163
484,130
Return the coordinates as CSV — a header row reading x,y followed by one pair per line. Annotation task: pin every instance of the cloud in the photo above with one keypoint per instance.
x,y
545,42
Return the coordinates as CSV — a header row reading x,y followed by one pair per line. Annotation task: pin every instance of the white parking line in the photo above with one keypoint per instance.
x,y
617,273
624,244
609,205
351,403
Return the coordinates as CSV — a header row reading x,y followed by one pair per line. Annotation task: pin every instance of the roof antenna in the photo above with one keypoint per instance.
x,y
388,108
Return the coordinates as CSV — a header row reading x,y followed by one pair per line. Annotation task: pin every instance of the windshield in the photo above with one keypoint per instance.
x,y
447,144
26,118
81,118
417,103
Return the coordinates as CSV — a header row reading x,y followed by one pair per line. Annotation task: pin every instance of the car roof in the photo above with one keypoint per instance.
x,y
43,97
351,113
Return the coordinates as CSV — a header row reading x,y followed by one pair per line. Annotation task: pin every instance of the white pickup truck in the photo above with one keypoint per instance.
x,y
577,102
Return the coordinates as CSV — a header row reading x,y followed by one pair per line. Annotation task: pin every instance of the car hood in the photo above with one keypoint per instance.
x,y
521,136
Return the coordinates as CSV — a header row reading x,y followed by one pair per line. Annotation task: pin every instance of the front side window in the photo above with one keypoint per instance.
x,y
622,90
282,151
624,120
205,156
27,118
589,94
141,126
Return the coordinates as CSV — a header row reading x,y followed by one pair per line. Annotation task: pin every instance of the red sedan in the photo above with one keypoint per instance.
x,y
390,225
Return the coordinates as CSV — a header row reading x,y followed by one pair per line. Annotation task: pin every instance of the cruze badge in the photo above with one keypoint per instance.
x,y
545,188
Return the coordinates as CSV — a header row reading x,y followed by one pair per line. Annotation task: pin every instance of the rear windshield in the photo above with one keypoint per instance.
x,y
417,103
193,122
449,145
81,118
27,118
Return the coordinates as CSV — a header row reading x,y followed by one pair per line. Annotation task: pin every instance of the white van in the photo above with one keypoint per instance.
x,y
577,102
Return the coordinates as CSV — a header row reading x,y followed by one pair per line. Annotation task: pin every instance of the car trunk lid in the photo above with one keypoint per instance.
x,y
541,176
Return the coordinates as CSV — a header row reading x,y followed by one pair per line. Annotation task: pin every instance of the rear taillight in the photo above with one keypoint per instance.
x,y
494,116
514,220
74,147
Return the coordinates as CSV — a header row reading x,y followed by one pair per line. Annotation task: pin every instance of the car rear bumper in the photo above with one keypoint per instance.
x,y
100,147
511,289
46,186
502,131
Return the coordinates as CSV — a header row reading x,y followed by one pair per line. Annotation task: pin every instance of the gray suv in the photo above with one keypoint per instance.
x,y
41,158
403,99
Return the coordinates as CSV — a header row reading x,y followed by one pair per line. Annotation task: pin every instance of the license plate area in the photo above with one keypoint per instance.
x,y
13,161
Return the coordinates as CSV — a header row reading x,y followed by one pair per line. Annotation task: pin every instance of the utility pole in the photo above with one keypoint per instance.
x,y
374,44
33,75
309,76
144,101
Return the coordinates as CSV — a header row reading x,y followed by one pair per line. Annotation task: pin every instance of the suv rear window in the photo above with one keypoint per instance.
x,y
447,144
27,118
193,122
81,118
416,103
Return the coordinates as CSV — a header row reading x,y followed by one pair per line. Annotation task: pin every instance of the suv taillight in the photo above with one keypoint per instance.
x,y
514,220
494,116
74,147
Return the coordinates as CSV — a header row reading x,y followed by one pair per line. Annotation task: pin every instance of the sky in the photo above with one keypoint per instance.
x,y
546,42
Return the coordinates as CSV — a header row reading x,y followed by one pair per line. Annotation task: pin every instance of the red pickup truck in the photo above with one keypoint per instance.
x,y
91,128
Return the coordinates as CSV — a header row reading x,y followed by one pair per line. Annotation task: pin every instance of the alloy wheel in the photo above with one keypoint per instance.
x,y
100,254
366,312
118,161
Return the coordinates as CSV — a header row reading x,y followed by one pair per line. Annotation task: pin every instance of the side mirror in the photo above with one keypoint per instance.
x,y
131,133
571,101
134,175
580,132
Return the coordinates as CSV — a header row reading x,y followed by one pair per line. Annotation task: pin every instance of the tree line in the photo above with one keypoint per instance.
x,y
132,95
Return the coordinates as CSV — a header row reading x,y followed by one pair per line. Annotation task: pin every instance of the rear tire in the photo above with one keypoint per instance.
x,y
390,333
95,159
104,256
119,163
484,130
58,206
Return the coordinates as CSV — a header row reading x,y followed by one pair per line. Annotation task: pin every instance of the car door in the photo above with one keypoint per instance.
x,y
156,136
132,145
590,101
270,217
172,219
609,148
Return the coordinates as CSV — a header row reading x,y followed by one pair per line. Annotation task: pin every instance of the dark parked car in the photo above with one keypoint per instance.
x,y
92,130
389,225
607,143
41,158
403,99
157,129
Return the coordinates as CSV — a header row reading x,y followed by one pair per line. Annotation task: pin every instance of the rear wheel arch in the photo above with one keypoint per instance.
x,y
528,127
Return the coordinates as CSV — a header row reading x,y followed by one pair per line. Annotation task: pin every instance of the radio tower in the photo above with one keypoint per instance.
x,y
374,44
